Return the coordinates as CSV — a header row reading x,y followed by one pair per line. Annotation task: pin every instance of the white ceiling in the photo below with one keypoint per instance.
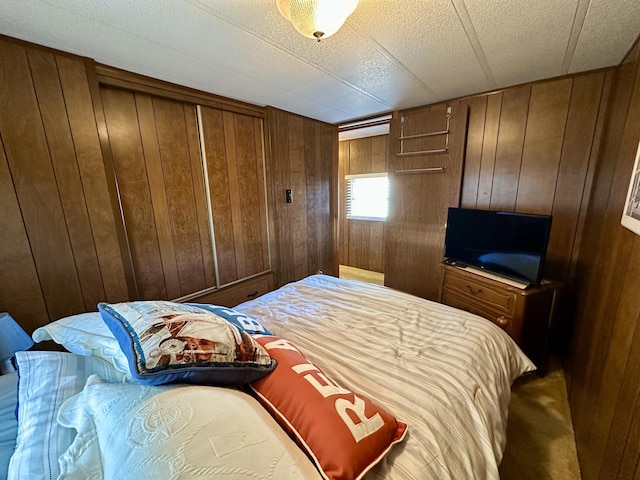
x,y
390,54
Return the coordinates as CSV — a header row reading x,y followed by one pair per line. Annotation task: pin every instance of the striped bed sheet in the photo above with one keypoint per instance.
x,y
445,372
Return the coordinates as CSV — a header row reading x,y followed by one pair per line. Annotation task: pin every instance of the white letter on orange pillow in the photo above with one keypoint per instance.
x,y
282,344
367,426
327,388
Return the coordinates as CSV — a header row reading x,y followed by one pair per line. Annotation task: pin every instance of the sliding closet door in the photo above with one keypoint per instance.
x,y
425,176
234,152
158,168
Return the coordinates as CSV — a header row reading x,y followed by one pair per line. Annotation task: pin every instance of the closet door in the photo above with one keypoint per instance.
x,y
233,149
157,162
421,188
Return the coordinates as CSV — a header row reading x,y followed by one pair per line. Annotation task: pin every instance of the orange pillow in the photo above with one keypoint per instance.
x,y
343,432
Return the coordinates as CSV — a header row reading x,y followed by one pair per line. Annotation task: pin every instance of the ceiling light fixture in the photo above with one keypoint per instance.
x,y
317,18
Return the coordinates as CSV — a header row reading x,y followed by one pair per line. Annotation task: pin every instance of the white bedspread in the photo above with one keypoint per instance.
x,y
444,372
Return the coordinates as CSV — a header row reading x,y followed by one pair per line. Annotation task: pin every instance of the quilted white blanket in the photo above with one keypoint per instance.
x,y
444,372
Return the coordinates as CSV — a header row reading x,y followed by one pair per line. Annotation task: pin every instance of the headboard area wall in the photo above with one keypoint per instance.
x,y
59,248
117,187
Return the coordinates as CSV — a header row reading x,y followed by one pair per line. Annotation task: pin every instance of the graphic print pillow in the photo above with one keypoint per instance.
x,y
343,432
167,342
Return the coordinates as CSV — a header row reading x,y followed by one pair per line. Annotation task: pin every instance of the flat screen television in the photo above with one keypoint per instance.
x,y
513,245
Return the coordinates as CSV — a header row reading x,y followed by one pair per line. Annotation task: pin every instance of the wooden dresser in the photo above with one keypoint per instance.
x,y
526,315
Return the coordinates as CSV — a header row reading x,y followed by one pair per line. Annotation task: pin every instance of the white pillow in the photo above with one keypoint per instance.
x,y
175,431
85,334
46,380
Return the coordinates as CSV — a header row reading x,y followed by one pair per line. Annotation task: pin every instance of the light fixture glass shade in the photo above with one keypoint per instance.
x,y
12,339
317,18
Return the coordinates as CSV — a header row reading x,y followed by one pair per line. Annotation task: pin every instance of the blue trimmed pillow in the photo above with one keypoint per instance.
x,y
240,320
8,421
167,342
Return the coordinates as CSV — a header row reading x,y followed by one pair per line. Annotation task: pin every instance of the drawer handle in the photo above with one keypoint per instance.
x,y
502,321
473,291
251,295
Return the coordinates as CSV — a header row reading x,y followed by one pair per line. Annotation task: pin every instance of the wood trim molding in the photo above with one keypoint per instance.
x,y
334,206
269,130
116,77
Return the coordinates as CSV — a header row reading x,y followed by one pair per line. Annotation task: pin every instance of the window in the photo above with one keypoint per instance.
x,y
367,196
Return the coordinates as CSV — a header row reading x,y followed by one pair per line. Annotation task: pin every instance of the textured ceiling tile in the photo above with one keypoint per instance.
x,y
428,38
522,40
607,35
178,43
347,56
390,54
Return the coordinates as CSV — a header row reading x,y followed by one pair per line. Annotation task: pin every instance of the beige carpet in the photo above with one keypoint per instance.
x,y
540,439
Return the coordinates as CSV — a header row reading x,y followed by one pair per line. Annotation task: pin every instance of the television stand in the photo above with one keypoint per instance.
x,y
524,314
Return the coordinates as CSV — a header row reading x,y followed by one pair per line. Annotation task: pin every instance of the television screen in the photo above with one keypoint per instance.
x,y
509,244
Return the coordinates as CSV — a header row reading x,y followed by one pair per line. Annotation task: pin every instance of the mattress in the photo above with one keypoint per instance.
x,y
445,372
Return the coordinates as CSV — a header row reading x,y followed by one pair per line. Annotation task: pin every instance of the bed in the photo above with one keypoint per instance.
x,y
444,373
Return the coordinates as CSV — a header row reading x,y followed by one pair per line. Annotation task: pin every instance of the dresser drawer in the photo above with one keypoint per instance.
x,y
236,294
481,293
479,308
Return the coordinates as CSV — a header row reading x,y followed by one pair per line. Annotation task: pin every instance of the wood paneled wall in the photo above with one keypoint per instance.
x,y
604,365
361,241
532,149
59,247
304,157
422,187
557,147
